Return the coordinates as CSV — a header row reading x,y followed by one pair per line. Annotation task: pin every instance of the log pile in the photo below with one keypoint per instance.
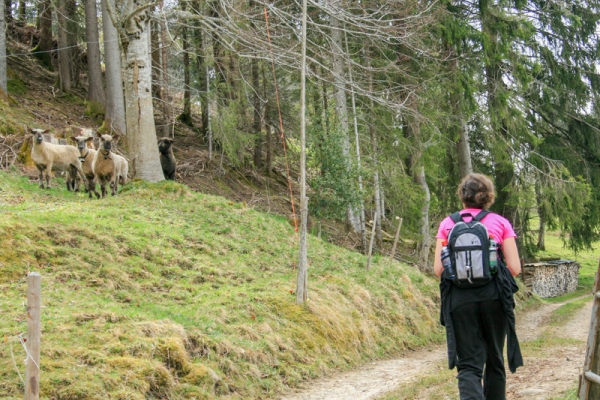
x,y
551,278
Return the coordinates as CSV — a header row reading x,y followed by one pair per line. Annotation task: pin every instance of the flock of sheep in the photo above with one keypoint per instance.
x,y
83,163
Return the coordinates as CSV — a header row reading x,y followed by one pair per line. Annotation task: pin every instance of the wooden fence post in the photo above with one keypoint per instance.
x,y
371,242
591,363
34,333
396,239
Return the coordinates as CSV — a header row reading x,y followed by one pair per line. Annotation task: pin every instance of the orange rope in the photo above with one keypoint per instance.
x,y
281,122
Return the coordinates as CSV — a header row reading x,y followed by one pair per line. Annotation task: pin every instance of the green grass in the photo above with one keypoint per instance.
x,y
165,293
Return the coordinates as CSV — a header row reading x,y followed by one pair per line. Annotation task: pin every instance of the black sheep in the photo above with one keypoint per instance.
x,y
167,159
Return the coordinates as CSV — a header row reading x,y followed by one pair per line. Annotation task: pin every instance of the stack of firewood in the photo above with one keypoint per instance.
x,y
551,278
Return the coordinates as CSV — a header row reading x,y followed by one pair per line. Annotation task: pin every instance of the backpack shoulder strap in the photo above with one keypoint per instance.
x,y
481,215
456,217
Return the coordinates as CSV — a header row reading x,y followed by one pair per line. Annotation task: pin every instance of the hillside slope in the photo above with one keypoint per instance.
x,y
162,292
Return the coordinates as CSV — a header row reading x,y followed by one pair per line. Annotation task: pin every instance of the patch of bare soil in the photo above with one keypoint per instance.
x,y
542,378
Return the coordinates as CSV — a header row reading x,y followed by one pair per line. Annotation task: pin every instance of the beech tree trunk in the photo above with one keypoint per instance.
x,y
114,117
96,89
141,131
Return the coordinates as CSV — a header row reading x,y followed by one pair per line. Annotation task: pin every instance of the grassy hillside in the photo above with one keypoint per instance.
x,y
165,293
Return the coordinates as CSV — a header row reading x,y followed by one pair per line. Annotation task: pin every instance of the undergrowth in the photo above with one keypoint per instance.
x,y
161,292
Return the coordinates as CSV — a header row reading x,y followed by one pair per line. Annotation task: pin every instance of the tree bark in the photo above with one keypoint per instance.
x,y
155,54
202,75
186,115
340,99
256,123
376,186
166,98
3,70
64,51
114,117
7,11
302,286
44,47
141,131
268,130
96,89
541,242
22,12
425,235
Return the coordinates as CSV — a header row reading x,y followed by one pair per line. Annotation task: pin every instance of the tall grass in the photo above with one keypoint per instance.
x,y
165,293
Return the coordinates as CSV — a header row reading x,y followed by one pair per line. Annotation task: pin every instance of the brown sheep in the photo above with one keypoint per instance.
x,y
109,168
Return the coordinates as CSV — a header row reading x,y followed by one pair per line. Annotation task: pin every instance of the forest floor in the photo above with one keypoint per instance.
x,y
545,375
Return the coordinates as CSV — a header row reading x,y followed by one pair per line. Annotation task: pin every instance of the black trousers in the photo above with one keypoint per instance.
x,y
480,330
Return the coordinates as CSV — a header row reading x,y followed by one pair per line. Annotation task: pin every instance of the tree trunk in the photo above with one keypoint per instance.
x,y
541,242
64,51
186,115
340,99
202,76
412,130
22,12
257,123
7,11
219,58
166,97
114,117
426,240
361,211
268,130
503,166
73,33
44,47
376,187
302,286
3,71
141,131
155,52
96,89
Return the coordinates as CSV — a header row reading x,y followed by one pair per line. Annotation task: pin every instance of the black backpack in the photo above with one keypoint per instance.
x,y
469,245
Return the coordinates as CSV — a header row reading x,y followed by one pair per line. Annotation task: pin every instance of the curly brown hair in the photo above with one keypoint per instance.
x,y
476,191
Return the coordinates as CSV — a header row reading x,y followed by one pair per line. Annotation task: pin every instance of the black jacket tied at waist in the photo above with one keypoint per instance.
x,y
506,286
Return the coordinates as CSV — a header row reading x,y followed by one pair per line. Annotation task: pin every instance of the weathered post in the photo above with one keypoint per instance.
x,y
34,333
396,239
591,363
371,242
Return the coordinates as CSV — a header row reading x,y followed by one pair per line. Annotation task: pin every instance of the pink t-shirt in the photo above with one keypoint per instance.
x,y
498,226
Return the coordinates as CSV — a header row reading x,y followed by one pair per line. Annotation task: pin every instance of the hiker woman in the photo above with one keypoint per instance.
x,y
478,318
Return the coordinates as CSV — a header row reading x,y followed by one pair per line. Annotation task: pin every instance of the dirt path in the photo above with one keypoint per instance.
x,y
544,375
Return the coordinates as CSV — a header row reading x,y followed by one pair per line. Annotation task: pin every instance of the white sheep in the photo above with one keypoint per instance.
x,y
87,153
49,156
109,167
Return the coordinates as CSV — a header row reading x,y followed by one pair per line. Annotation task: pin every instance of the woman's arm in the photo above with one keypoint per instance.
x,y
511,255
437,260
